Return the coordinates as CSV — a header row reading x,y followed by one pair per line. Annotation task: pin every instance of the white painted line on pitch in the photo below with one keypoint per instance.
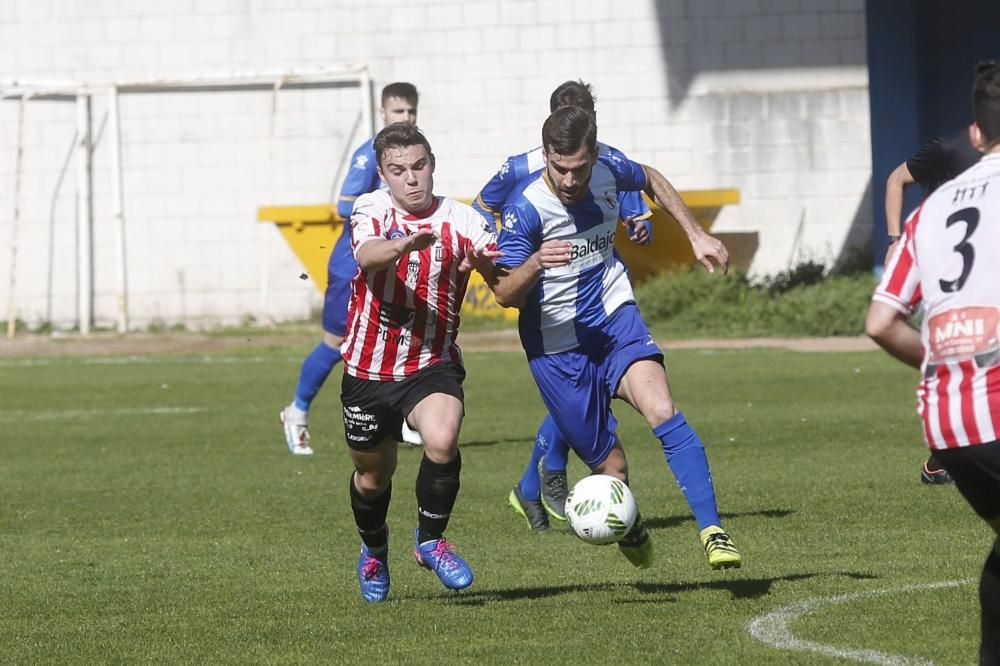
x,y
27,415
772,628
144,360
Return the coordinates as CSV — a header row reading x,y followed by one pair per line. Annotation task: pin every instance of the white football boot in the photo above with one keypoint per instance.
x,y
296,426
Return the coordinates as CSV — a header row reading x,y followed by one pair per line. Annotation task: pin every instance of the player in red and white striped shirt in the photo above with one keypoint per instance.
x,y
949,260
414,252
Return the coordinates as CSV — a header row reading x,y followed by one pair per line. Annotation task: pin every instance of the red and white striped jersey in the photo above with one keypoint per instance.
x,y
949,260
405,318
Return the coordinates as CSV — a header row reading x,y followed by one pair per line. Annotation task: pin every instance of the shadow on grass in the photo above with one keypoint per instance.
x,y
527,440
747,588
657,522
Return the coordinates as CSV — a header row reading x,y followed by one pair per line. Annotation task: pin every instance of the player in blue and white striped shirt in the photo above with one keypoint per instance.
x,y
536,496
584,337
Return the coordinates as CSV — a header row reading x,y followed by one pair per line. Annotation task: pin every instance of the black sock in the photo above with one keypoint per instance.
x,y
989,603
437,488
369,516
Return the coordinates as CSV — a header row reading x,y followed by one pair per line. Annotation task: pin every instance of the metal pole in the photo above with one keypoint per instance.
x,y
19,156
265,277
84,254
367,102
118,209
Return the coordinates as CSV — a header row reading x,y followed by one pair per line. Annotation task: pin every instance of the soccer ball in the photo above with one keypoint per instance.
x,y
601,509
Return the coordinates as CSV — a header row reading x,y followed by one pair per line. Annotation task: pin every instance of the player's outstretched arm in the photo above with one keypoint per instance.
x,y
510,287
380,253
707,249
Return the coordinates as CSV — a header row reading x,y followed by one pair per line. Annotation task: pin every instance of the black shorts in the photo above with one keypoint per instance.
x,y
375,410
976,471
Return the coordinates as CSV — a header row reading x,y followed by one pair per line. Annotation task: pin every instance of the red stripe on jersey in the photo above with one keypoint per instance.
x,y
465,246
369,347
903,264
359,290
993,396
420,308
967,401
443,288
394,293
944,402
924,410
900,271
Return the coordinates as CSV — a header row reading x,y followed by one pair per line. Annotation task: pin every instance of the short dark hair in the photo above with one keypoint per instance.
x,y
986,101
402,90
400,135
568,129
572,93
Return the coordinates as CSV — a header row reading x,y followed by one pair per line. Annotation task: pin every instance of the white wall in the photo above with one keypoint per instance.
x,y
768,96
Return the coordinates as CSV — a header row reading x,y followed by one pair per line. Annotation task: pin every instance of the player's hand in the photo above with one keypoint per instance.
x,y
640,232
554,254
481,260
708,249
417,241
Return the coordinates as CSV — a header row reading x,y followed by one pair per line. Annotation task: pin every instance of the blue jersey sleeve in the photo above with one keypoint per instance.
x,y
631,204
493,195
362,178
520,234
629,175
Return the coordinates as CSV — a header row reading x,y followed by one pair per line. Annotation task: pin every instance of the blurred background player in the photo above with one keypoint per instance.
x,y
585,340
949,258
399,104
414,252
938,161
540,494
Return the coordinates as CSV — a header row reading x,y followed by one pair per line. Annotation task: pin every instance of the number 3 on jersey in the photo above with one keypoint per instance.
x,y
971,218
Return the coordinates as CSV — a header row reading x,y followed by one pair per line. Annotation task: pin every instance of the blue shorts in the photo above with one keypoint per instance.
x,y
340,271
335,304
578,385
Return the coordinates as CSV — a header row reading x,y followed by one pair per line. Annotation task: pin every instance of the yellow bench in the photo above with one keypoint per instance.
x,y
311,231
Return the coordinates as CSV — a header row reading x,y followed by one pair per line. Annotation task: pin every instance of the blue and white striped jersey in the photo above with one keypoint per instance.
x,y
568,303
518,167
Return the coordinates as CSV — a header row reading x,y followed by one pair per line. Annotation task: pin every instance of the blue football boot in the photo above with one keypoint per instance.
x,y
440,557
373,574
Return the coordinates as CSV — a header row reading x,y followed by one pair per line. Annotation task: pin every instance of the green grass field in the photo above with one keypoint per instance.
x,y
150,513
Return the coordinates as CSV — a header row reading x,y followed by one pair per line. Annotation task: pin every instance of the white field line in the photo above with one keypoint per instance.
x,y
772,628
143,360
51,415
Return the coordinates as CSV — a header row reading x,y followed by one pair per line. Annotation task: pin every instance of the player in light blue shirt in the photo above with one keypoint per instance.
x,y
399,104
585,340
536,496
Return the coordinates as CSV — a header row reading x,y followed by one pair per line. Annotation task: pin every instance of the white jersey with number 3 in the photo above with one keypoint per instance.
x,y
949,259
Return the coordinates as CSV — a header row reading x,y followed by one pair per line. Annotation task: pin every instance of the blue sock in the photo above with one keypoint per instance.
x,y
531,483
557,456
686,456
315,369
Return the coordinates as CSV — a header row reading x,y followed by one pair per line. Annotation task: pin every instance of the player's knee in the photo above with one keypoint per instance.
x,y
372,484
440,442
659,412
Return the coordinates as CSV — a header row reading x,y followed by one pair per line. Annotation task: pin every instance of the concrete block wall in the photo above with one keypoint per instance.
x,y
768,96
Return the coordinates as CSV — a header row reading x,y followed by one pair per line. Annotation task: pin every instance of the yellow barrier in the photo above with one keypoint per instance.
x,y
312,231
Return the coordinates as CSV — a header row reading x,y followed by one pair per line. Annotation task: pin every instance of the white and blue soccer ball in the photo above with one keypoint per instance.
x,y
601,509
